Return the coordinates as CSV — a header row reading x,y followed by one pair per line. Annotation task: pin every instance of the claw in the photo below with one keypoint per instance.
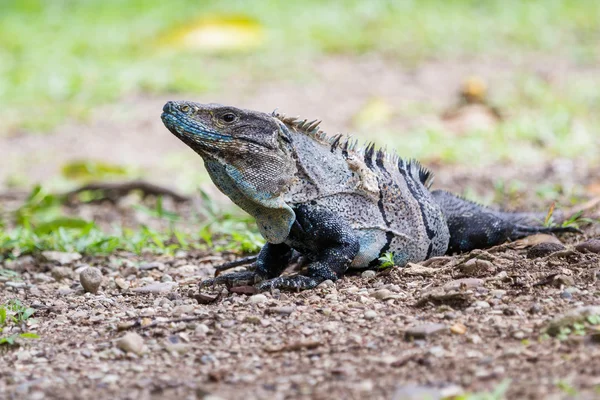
x,y
294,283
242,278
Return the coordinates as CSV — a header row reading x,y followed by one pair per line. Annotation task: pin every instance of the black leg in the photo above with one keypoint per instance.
x,y
326,240
270,263
473,226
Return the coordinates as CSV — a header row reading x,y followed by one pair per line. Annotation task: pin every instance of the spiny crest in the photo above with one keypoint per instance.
x,y
347,144
417,171
305,126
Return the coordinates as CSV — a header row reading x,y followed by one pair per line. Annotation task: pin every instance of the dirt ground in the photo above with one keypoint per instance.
x,y
436,330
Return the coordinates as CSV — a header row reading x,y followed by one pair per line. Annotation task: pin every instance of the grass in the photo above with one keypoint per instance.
x,y
13,318
40,225
59,59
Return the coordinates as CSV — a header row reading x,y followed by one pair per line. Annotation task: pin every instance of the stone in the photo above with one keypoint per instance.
x,y
131,343
61,257
91,279
60,273
544,249
589,246
162,287
418,270
166,278
562,280
476,267
481,304
465,283
423,331
370,314
458,329
122,283
384,294
368,274
326,283
257,299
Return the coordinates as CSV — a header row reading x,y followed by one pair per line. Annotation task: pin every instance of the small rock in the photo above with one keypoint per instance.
x,y
60,273
458,329
90,279
562,280
424,331
368,274
162,287
566,295
481,304
383,294
166,278
257,299
153,265
589,246
370,314
131,343
418,270
325,283
61,257
544,249
281,310
122,283
477,267
465,283
519,335
535,308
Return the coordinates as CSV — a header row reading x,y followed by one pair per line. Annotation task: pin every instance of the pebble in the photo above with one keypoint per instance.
x,y
418,270
535,308
544,249
481,304
368,274
257,299
458,329
566,295
325,283
383,294
162,287
16,285
589,246
131,343
90,279
563,280
166,278
477,267
61,257
466,283
423,331
153,265
370,314
122,283
60,273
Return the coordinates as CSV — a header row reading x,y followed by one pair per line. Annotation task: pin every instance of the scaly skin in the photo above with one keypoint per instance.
x,y
339,206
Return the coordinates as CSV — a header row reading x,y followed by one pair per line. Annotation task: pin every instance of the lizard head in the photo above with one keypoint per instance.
x,y
221,131
247,154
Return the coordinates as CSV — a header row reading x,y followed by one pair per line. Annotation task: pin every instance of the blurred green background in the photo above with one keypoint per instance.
x,y
534,63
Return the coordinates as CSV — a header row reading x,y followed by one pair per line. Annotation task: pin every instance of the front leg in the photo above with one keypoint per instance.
x,y
326,240
270,263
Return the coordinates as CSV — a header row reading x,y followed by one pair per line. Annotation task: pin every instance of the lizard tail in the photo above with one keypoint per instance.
x,y
473,226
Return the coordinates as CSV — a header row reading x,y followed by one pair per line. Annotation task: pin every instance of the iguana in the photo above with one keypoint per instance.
x,y
338,205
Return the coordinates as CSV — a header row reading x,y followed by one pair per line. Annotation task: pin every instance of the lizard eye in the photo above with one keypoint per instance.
x,y
184,108
228,118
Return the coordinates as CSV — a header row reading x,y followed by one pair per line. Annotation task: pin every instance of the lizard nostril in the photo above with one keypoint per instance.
x,y
168,107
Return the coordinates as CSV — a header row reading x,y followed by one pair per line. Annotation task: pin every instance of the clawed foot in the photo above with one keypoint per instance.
x,y
250,278
292,283
241,278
